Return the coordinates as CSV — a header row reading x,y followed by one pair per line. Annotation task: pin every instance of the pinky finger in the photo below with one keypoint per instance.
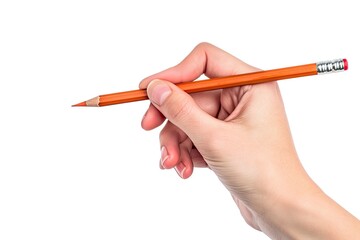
x,y
185,166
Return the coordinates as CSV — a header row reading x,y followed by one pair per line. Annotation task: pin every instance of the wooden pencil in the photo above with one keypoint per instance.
x,y
225,82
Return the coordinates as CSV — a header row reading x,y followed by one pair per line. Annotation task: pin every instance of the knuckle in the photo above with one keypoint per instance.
x,y
203,45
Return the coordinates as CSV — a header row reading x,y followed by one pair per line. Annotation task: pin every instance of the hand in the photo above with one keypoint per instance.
x,y
241,133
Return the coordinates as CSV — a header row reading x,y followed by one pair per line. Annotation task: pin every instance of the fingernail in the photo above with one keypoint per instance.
x,y
180,169
160,165
159,92
164,156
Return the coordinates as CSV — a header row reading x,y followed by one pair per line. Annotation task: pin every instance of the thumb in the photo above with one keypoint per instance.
x,y
180,109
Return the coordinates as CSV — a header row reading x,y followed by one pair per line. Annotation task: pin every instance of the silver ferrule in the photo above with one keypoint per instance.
x,y
336,65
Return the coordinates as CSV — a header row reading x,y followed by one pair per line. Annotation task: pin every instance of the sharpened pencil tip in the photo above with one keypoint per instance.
x,y
82,104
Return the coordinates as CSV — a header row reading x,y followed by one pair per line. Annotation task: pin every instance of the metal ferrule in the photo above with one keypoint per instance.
x,y
330,66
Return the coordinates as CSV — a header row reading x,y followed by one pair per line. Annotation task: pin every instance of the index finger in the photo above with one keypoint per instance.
x,y
204,59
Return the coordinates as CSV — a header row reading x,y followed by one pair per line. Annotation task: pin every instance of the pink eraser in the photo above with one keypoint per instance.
x,y
346,65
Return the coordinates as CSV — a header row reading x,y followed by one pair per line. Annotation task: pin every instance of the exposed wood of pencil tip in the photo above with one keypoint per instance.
x,y
209,84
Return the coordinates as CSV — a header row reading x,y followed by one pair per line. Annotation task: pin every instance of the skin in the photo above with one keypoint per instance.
x,y
243,136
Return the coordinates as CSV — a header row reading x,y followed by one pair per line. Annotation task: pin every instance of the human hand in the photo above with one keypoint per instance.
x,y
240,133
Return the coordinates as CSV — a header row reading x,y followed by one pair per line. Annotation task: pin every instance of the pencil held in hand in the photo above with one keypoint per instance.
x,y
225,82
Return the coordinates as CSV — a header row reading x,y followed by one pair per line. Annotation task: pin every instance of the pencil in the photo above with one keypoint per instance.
x,y
225,82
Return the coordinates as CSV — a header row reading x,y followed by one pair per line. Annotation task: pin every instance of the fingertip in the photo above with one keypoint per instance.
x,y
160,165
169,162
183,171
185,167
187,173
144,83
152,118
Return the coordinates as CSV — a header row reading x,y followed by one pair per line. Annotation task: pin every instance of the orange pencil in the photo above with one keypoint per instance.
x,y
225,82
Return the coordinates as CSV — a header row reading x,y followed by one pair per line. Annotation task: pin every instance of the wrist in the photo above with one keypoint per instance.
x,y
308,213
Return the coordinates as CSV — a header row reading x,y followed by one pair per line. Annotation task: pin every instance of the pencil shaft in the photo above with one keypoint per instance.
x,y
216,83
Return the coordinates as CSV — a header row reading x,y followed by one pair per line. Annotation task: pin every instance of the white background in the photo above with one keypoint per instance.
x,y
92,173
